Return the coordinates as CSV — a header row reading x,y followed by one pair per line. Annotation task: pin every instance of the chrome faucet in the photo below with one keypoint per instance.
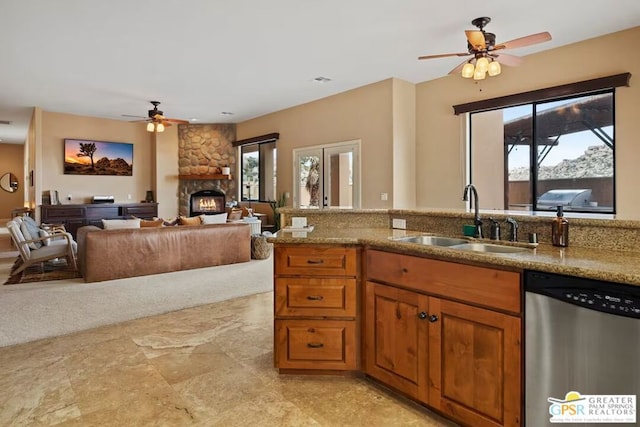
x,y
476,221
513,231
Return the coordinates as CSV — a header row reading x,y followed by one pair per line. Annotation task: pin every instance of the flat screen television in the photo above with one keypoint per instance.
x,y
86,157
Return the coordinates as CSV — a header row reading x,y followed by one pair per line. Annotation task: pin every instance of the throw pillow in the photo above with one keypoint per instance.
x,y
195,220
45,233
114,224
29,233
168,222
214,219
151,223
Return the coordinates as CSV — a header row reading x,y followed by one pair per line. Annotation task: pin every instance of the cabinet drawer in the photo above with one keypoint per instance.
x,y
315,260
69,212
148,211
315,297
316,344
480,285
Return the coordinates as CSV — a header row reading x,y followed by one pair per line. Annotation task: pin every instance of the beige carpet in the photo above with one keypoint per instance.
x,y
31,311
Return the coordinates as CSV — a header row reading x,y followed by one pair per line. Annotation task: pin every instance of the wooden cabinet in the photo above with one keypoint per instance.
x,y
316,327
76,216
446,334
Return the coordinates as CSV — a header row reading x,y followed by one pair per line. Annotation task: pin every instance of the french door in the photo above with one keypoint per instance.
x,y
327,176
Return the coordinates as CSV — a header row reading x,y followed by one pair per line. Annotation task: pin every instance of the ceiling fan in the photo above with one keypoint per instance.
x,y
156,119
486,54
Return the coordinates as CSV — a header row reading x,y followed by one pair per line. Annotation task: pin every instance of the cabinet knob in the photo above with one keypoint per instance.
x,y
422,315
433,318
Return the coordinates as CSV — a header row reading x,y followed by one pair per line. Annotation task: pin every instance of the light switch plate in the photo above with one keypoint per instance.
x,y
399,223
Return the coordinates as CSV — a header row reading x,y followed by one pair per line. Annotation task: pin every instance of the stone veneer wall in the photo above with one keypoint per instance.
x,y
203,150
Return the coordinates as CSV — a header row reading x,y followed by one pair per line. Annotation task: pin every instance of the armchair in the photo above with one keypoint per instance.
x,y
32,252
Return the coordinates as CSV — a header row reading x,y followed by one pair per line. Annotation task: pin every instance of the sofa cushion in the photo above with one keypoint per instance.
x,y
151,223
214,219
194,220
167,222
114,224
31,231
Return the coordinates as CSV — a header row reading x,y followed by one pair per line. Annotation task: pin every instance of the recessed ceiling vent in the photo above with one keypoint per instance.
x,y
5,122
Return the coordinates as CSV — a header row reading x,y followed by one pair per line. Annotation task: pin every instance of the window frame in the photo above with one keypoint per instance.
x,y
534,152
266,144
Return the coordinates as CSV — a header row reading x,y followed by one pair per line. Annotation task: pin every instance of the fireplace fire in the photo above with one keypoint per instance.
x,y
207,202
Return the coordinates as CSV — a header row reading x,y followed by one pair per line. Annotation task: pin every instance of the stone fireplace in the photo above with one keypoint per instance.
x,y
207,202
204,149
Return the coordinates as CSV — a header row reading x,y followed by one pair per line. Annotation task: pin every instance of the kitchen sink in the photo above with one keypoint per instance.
x,y
489,248
432,240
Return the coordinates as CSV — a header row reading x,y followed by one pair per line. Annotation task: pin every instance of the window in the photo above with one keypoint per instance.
x,y
539,155
258,167
327,176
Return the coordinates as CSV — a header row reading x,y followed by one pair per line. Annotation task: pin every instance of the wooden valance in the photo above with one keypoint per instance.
x,y
570,89
270,137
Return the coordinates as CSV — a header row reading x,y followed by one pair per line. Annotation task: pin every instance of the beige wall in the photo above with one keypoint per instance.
x,y
12,161
50,175
404,147
166,172
487,173
440,134
364,113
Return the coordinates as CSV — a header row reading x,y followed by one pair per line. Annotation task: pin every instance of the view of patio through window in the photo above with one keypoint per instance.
x,y
561,151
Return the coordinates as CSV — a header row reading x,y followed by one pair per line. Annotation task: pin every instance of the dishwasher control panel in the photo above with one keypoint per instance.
x,y
614,298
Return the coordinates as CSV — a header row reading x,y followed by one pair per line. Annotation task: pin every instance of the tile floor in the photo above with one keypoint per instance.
x,y
205,366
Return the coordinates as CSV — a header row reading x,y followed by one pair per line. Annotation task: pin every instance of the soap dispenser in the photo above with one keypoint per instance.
x,y
560,229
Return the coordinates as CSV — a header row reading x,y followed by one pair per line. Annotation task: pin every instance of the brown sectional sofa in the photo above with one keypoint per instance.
x,y
116,254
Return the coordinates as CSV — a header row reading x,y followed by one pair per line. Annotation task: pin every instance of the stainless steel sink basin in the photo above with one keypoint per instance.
x,y
432,240
489,248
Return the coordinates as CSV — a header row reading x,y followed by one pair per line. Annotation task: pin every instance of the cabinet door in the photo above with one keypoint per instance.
x,y
396,338
474,364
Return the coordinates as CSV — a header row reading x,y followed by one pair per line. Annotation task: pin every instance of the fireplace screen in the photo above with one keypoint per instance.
x,y
207,202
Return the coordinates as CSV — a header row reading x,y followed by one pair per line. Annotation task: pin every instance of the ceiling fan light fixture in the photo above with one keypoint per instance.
x,y
479,74
159,127
150,127
494,68
467,70
482,64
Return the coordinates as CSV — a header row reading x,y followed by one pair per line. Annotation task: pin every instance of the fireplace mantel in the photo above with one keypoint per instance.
x,y
206,177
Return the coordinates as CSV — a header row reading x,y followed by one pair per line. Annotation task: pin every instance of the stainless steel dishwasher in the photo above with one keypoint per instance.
x,y
581,336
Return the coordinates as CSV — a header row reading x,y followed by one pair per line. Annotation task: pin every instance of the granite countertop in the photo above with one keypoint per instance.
x,y
614,266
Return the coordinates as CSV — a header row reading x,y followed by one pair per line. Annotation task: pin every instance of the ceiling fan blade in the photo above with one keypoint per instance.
x,y
179,121
131,115
510,60
458,68
476,39
525,41
444,55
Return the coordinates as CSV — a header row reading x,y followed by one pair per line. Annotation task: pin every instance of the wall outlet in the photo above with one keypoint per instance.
x,y
384,196
68,196
399,223
128,196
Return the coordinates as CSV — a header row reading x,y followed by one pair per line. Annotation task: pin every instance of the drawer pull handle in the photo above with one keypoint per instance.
x,y
315,297
315,345
315,261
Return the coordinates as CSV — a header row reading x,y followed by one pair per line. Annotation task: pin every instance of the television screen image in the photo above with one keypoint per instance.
x,y
85,157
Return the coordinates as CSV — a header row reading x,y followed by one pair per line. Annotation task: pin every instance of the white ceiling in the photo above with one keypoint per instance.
x,y
249,57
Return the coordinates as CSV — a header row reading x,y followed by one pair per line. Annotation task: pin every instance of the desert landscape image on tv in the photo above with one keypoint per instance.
x,y
84,157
